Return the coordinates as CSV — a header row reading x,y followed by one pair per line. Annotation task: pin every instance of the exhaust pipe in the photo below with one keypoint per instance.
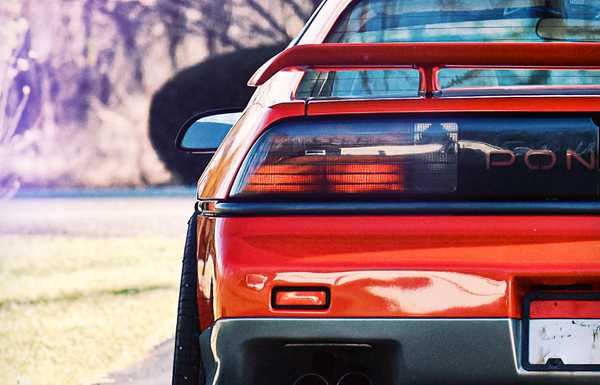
x,y
311,379
355,378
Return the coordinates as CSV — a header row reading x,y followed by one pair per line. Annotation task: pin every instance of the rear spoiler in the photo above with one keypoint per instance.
x,y
429,57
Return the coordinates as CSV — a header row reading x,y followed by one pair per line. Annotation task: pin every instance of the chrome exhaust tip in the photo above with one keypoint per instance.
x,y
355,378
311,379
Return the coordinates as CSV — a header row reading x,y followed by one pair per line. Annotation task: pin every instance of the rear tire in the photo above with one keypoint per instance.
x,y
187,362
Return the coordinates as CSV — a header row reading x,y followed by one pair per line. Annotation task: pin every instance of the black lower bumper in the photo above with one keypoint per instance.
x,y
389,351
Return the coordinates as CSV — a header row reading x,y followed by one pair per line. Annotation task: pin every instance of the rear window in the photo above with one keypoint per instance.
x,y
371,21
404,83
349,84
463,81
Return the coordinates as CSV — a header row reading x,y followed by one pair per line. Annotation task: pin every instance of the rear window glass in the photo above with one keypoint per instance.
x,y
369,21
518,81
404,83
396,83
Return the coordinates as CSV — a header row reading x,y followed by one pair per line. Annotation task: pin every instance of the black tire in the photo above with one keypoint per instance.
x,y
187,363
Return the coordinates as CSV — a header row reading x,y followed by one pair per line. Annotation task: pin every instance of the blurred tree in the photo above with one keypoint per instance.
x,y
82,74
193,90
14,96
218,82
172,16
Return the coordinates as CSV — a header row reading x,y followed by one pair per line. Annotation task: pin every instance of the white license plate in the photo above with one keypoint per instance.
x,y
572,341
562,331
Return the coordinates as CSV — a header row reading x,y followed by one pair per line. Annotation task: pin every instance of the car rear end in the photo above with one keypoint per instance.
x,y
397,219
318,266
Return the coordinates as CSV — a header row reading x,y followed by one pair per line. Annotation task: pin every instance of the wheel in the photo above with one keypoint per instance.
x,y
187,363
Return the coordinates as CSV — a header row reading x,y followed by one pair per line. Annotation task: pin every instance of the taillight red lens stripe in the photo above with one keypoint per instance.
x,y
365,188
332,188
564,309
285,179
282,188
359,168
325,179
364,178
330,168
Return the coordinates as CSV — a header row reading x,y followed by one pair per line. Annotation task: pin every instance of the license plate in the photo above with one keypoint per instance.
x,y
562,332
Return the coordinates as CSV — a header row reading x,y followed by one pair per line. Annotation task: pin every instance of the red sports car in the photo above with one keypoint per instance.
x,y
412,196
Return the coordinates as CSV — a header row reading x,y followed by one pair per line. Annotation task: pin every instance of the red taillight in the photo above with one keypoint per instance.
x,y
424,156
358,157
327,174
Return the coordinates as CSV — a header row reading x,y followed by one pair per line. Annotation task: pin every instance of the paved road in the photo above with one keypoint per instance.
x,y
97,217
155,369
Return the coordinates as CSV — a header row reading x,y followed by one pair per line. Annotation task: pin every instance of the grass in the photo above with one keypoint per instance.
x,y
73,308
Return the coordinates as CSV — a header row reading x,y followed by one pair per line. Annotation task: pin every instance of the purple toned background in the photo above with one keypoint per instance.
x,y
77,76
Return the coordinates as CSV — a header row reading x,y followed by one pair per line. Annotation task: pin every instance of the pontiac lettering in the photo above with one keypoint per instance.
x,y
539,159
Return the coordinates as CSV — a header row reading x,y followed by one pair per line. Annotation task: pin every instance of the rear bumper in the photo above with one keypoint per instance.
x,y
269,351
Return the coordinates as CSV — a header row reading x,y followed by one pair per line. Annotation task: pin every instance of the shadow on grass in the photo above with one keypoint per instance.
x,y
128,291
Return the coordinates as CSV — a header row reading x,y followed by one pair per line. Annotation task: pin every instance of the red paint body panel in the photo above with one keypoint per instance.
x,y
564,309
397,266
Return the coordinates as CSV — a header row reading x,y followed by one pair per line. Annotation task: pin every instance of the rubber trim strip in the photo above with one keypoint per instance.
x,y
236,209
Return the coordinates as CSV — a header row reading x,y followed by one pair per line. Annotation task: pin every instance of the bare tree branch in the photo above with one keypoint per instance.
x,y
266,15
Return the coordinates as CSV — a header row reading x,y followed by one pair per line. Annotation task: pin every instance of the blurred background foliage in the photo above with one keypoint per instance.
x,y
77,78
201,85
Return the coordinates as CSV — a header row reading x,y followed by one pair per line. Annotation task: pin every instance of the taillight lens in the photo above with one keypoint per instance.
x,y
349,157
450,156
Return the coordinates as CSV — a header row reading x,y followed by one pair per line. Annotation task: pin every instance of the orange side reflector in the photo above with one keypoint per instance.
x,y
300,298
